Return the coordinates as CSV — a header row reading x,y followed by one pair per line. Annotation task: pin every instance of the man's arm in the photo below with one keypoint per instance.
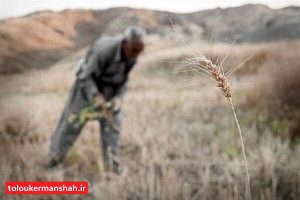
x,y
117,101
93,66
121,92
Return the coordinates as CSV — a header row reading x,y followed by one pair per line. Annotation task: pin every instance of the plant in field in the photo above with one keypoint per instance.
x,y
216,73
207,68
91,112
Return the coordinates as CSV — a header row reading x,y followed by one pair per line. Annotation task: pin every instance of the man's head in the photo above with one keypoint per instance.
x,y
132,44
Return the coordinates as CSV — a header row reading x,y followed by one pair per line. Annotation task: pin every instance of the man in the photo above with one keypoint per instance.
x,y
100,80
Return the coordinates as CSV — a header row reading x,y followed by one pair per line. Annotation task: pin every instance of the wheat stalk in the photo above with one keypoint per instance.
x,y
216,73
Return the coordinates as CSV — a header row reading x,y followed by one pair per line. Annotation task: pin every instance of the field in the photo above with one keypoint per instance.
x,y
179,140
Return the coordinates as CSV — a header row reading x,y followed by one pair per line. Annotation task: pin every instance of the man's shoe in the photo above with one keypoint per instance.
x,y
52,164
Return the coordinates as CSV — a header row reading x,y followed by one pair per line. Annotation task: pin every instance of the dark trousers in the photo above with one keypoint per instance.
x,y
67,132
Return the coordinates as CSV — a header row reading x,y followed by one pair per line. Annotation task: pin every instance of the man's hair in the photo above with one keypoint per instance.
x,y
134,33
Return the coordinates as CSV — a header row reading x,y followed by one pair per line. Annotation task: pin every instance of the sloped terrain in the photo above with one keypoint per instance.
x,y
39,39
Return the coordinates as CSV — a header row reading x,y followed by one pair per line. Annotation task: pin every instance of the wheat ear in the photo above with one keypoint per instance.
x,y
218,75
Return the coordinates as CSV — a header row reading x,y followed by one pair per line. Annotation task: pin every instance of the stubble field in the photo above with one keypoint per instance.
x,y
178,139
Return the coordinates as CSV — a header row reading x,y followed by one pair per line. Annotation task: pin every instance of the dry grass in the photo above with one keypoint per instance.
x,y
277,91
177,140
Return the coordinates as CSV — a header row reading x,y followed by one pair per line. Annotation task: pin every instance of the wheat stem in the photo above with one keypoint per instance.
x,y
218,75
243,147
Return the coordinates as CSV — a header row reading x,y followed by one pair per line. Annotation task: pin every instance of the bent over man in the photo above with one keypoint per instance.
x,y
100,84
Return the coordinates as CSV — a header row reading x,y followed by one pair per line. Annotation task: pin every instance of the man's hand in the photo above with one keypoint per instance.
x,y
99,100
116,103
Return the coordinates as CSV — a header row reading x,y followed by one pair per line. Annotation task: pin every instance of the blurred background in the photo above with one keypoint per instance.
x,y
179,140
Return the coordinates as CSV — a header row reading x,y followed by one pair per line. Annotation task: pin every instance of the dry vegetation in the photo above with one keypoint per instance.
x,y
179,140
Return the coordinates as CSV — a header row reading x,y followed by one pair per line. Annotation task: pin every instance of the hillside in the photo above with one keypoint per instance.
x,y
40,39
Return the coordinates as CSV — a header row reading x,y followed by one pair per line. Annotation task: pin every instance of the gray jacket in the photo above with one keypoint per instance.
x,y
103,69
